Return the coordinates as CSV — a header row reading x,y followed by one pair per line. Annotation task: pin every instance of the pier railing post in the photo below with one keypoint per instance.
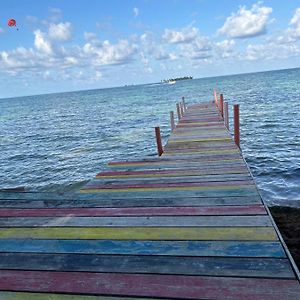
x,y
226,117
181,109
158,141
222,105
184,105
178,111
172,121
236,118
216,97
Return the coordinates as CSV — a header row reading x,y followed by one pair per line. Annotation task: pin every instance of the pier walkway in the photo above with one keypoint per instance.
x,y
187,225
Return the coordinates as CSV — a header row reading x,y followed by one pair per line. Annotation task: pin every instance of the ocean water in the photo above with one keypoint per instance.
x,y
58,142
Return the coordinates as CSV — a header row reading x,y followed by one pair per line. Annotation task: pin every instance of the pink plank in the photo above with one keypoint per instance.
x,y
171,184
186,287
136,211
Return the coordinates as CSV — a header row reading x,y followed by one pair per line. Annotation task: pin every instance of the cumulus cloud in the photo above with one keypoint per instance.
x,y
247,23
270,51
225,48
186,35
200,48
60,31
108,54
295,23
136,12
41,43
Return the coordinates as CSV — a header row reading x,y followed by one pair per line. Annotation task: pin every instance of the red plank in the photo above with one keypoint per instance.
x,y
135,211
186,287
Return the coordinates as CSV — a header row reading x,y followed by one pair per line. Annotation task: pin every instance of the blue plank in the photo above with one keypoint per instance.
x,y
180,248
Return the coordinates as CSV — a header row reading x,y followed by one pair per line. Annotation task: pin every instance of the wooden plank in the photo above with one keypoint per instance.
x,y
173,173
93,200
148,221
131,247
135,211
176,192
172,179
47,296
133,185
173,248
143,233
147,285
213,266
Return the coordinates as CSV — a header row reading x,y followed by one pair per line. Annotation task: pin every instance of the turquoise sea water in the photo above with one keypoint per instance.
x,y
58,142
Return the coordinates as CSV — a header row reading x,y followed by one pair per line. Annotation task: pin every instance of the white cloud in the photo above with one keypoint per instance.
x,y
247,23
108,54
60,32
270,51
186,35
225,48
41,43
295,22
136,12
200,48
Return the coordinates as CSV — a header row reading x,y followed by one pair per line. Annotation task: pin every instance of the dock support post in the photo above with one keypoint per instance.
x,y
184,105
236,117
178,111
158,141
222,105
172,121
216,97
181,108
226,118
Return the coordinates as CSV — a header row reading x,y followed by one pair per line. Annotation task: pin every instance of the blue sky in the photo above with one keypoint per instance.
x,y
64,45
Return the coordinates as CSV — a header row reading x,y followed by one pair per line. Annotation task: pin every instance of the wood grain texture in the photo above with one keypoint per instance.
x,y
135,211
143,233
213,266
147,285
141,221
134,247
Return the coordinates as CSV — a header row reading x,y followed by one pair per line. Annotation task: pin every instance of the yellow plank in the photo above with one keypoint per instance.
x,y
143,233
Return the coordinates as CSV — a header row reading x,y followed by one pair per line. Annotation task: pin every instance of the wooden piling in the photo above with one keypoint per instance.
x,y
181,108
172,121
178,111
215,97
236,117
221,105
184,105
158,141
226,118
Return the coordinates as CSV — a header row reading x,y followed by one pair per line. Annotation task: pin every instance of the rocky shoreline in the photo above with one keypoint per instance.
x,y
288,223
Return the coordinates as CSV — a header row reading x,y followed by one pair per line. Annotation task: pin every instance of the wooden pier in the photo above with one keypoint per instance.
x,y
189,224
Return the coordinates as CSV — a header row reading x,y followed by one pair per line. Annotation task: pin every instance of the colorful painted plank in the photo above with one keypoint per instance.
x,y
141,221
148,285
143,233
213,266
169,248
135,211
93,200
